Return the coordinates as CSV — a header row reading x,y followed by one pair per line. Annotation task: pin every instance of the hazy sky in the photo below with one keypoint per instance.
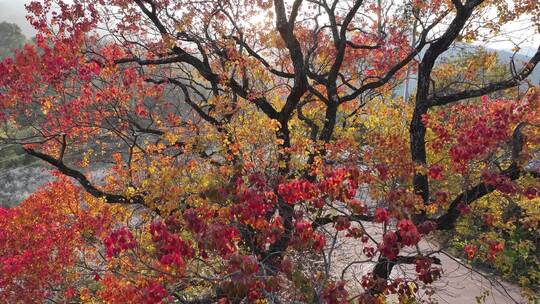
x,y
13,11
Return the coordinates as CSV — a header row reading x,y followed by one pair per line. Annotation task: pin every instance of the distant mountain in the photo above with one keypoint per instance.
x,y
504,57
520,58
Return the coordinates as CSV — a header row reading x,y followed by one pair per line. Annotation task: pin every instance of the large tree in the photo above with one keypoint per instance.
x,y
11,38
226,149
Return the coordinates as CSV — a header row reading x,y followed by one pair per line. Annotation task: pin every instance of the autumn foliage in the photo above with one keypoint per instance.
x,y
260,152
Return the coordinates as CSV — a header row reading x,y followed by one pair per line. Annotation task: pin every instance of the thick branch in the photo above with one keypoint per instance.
x,y
417,130
448,220
490,88
286,31
85,183
331,219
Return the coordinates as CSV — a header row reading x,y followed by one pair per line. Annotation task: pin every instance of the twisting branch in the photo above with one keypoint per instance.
x,y
361,46
384,267
158,61
201,66
83,180
332,219
412,259
263,61
190,102
490,88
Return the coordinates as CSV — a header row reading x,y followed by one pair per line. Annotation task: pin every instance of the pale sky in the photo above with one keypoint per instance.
x,y
13,11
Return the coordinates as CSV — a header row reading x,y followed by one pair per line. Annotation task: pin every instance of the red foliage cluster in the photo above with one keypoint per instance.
x,y
470,250
119,240
389,246
297,190
171,249
41,239
494,248
502,183
154,293
342,223
219,237
408,233
336,293
531,192
254,200
426,273
481,129
243,281
117,290
381,215
435,172
341,183
210,232
305,237
357,207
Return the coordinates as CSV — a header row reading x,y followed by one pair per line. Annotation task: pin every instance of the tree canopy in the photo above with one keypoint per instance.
x,y
227,151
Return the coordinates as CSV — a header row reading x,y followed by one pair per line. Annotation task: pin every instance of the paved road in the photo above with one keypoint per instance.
x,y
459,283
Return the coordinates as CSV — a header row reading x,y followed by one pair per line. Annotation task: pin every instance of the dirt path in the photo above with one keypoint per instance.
x,y
458,284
